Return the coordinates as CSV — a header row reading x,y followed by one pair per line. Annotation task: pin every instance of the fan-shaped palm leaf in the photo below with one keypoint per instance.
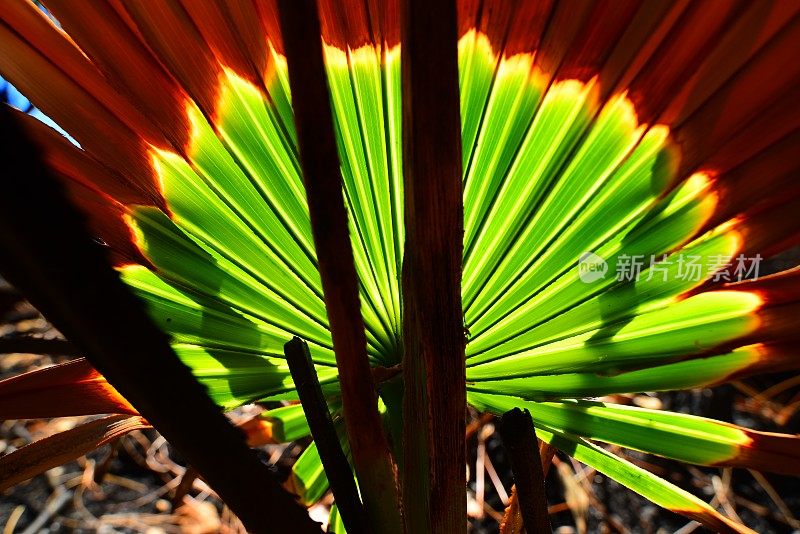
x,y
659,137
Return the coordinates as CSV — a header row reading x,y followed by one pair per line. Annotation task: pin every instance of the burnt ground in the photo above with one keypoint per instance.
x,y
137,492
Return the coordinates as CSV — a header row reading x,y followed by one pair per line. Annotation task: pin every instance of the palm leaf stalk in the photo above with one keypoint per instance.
x,y
320,423
518,432
434,392
654,144
323,183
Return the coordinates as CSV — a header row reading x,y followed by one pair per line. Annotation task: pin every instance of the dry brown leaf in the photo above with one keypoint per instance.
x,y
63,447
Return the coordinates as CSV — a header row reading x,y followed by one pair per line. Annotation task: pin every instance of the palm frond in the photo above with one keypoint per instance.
x,y
664,134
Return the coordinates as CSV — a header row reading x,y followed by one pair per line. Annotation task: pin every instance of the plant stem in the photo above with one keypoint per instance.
x,y
302,41
434,404
337,469
519,438
512,518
